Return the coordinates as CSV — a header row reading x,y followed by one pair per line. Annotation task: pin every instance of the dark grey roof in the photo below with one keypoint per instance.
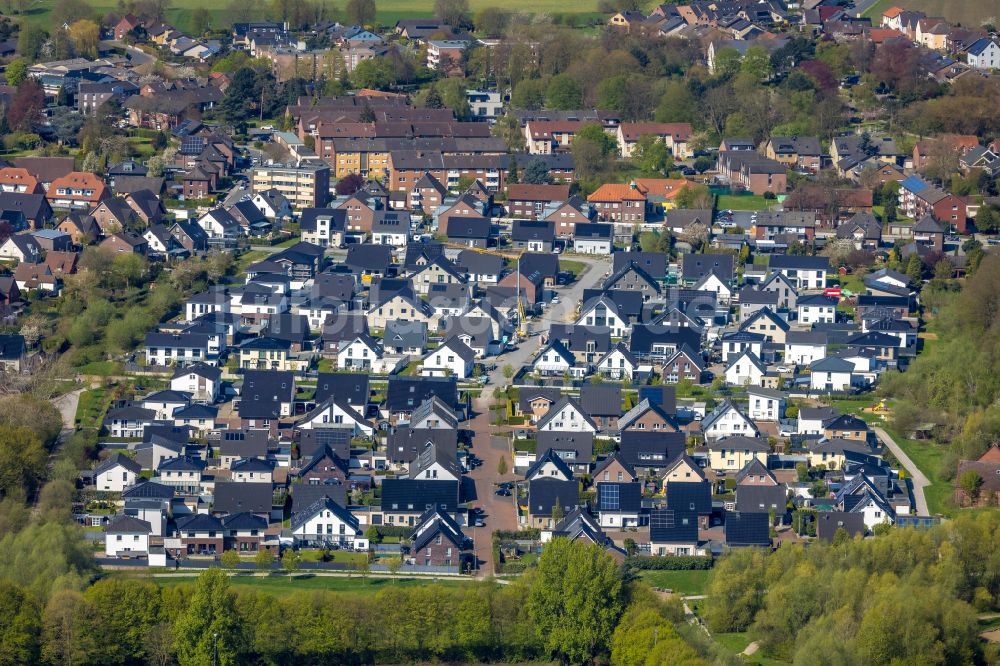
x,y
234,497
263,392
798,262
747,529
581,442
651,449
601,399
349,386
474,228
369,257
625,497
828,522
243,443
147,490
697,266
548,456
419,495
325,504
690,497
244,521
118,459
673,526
435,522
752,498
653,263
545,493
404,394
122,524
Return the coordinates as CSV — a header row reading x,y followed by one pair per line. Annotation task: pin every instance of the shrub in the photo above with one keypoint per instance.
x,y
672,563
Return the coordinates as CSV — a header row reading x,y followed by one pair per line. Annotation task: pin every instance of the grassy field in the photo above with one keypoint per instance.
x,y
928,456
574,267
741,202
92,407
683,582
737,642
389,11
970,13
280,584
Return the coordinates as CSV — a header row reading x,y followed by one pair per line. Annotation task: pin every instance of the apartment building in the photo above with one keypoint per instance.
x,y
305,186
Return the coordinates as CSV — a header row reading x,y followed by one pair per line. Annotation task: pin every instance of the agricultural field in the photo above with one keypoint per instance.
x,y
969,13
388,11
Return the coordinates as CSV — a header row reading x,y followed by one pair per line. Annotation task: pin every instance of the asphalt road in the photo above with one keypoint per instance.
x,y
138,56
917,477
501,512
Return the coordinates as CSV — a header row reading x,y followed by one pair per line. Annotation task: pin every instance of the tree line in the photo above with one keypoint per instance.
x,y
905,597
955,383
576,607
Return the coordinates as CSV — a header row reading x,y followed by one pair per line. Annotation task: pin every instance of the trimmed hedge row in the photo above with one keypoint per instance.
x,y
671,563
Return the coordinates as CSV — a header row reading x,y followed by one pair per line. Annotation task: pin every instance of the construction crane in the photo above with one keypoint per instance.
x,y
514,255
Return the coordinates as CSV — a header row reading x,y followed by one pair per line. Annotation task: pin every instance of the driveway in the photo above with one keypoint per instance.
x,y
917,477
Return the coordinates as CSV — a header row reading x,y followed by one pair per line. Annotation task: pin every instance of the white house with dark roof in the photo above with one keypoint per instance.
x,y
116,473
804,347
831,374
746,369
127,537
324,522
567,415
453,357
727,420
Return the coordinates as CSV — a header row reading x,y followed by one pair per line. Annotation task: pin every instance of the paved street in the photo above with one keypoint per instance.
x,y
501,513
919,480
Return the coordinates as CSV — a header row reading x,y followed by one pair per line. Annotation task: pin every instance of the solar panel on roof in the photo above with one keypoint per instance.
x,y
609,497
662,519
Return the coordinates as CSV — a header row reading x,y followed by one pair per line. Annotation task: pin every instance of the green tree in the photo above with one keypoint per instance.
x,y
652,156
677,104
502,466
528,94
17,72
756,63
537,172
124,612
492,21
20,626
67,625
574,599
264,559
201,21
915,268
644,637
727,61
290,561
508,372
563,92
360,12
209,631
971,483
230,559
30,41
454,13
394,564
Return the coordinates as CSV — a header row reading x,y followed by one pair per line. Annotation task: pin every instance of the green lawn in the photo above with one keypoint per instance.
x,y
682,582
574,267
281,584
737,642
101,368
741,202
928,456
92,407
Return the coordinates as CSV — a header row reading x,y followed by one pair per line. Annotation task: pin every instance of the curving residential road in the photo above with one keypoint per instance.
x,y
917,477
